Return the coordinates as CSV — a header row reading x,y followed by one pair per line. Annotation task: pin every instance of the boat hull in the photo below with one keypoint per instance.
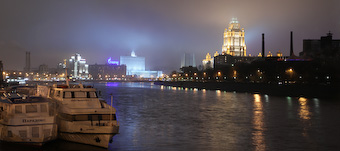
x,y
100,140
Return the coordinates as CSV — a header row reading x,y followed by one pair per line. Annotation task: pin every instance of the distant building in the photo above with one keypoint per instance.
x,y
107,71
208,62
269,54
133,63
233,40
78,67
135,66
321,48
224,60
188,59
279,54
43,69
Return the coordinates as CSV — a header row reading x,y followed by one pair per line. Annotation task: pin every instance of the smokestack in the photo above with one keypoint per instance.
x,y
263,45
28,61
291,43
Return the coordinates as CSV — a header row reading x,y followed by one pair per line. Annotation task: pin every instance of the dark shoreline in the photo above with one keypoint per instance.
x,y
292,90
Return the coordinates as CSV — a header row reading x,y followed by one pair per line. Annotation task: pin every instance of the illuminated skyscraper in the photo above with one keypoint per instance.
x,y
188,59
233,39
78,66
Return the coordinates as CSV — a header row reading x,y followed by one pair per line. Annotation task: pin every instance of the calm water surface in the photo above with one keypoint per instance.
x,y
156,118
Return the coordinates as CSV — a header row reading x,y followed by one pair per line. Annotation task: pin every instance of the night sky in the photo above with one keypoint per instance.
x,y
160,30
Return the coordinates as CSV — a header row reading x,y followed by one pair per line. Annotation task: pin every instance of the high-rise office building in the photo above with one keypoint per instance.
x,y
233,39
78,67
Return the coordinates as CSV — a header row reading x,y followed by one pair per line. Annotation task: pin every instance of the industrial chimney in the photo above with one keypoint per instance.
x,y
291,44
28,62
263,45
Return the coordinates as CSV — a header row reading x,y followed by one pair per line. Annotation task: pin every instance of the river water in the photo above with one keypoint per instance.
x,y
154,117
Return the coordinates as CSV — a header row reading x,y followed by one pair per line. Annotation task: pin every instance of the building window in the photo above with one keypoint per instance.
x,y
31,108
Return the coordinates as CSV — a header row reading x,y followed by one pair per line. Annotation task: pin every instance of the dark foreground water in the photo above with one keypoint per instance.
x,y
156,118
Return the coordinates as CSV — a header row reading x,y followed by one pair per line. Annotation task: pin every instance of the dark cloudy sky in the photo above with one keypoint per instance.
x,y
160,30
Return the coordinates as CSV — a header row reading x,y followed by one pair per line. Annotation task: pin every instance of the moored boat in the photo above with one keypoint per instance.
x,y
82,117
27,120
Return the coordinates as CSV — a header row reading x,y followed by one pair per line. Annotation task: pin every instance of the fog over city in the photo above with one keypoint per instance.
x,y
160,30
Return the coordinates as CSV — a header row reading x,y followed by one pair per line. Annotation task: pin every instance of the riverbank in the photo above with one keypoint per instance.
x,y
293,90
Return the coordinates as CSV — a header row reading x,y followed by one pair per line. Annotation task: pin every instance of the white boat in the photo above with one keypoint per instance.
x,y
82,117
28,120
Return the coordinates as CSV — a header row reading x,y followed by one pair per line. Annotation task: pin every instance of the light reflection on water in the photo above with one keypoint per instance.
x,y
154,117
304,109
176,118
258,133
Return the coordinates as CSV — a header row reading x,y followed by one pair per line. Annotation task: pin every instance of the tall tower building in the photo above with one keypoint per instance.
x,y
233,39
78,66
188,59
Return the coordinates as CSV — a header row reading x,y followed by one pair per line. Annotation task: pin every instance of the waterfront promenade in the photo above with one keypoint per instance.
x,y
294,90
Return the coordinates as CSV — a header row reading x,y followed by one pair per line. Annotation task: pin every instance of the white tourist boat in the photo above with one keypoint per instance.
x,y
28,120
82,117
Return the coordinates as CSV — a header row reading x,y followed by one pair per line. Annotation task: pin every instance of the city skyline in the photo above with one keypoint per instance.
x,y
53,31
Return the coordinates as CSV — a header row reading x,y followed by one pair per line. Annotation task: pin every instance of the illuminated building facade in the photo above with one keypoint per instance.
x,y
78,67
135,66
233,40
208,62
133,63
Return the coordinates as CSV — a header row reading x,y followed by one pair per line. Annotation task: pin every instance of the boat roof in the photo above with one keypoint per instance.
x,y
21,100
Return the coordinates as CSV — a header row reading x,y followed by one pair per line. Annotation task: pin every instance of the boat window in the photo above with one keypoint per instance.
x,y
80,118
79,95
91,95
52,93
67,95
18,109
58,94
107,117
35,132
23,133
43,108
47,132
9,134
96,117
31,109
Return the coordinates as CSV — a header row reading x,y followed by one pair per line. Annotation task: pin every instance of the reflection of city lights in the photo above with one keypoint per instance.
x,y
258,133
304,109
